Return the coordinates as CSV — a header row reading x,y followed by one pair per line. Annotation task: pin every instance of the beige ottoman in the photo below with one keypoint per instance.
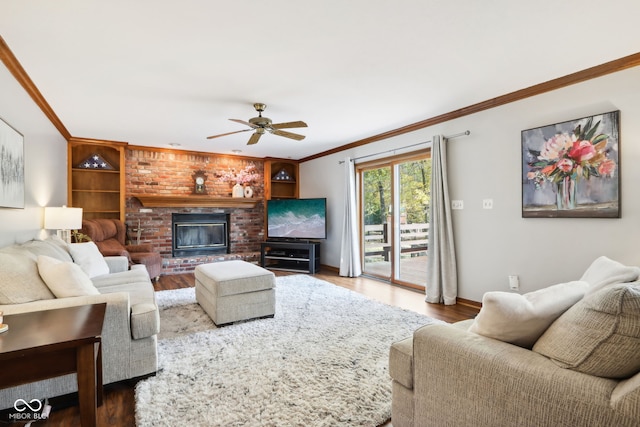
x,y
230,291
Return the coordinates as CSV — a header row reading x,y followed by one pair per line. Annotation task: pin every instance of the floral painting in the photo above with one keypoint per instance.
x,y
572,169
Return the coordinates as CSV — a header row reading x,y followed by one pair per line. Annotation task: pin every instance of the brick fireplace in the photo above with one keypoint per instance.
x,y
169,173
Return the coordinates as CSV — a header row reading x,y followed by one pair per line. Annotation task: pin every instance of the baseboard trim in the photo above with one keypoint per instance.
x,y
461,301
330,268
469,303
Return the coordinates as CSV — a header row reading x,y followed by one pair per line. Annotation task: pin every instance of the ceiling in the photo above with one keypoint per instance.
x,y
160,72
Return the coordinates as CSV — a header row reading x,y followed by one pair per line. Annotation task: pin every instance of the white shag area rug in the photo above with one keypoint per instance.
x,y
321,361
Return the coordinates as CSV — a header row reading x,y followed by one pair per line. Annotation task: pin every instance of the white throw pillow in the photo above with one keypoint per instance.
x,y
521,319
64,278
19,278
89,258
604,272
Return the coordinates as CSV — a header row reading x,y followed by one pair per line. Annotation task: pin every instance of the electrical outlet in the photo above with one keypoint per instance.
x,y
457,204
487,204
514,283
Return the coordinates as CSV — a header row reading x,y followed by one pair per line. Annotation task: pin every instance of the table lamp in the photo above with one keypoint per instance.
x,y
63,220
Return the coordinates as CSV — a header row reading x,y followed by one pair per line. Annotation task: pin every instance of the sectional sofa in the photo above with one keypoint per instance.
x,y
49,274
566,355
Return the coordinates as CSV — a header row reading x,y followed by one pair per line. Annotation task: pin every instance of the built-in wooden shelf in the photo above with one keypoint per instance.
x,y
279,188
99,192
195,200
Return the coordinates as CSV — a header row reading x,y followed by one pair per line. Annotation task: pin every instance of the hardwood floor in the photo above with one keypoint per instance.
x,y
118,408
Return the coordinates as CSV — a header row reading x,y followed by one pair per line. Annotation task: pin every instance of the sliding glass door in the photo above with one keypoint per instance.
x,y
376,205
394,200
413,222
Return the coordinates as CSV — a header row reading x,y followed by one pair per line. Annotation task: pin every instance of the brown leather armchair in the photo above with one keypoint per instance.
x,y
110,234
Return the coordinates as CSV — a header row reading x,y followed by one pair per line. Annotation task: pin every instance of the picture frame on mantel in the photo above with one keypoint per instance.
x,y
572,169
11,167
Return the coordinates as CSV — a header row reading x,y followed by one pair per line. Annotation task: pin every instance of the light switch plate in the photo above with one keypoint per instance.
x,y
457,204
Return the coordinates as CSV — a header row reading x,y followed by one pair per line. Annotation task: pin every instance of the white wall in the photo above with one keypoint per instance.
x,y
492,244
45,152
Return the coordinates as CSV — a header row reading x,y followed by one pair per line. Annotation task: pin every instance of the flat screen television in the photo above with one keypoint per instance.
x,y
297,219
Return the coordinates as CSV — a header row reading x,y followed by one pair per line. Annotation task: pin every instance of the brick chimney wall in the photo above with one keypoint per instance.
x,y
165,172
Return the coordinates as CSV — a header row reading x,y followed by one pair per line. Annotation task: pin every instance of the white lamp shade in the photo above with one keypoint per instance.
x,y
62,218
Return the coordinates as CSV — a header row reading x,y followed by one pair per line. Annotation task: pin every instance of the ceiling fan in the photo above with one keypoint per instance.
x,y
261,124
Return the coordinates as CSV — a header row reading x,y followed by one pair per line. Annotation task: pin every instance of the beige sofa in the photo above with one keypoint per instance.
x,y
582,371
131,324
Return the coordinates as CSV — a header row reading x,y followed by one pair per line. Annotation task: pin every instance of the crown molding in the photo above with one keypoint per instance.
x,y
630,61
15,68
570,79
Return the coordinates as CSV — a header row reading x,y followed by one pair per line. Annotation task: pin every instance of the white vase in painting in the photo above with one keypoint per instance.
x,y
248,191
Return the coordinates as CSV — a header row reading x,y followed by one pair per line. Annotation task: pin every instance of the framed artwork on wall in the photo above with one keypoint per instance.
x,y
572,169
11,167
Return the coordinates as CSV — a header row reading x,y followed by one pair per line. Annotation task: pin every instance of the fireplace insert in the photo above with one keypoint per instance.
x,y
199,234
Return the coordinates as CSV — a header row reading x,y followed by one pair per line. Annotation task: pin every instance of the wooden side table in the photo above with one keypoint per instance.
x,y
51,343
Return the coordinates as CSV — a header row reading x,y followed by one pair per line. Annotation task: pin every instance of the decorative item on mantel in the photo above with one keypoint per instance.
x,y
237,191
245,177
199,178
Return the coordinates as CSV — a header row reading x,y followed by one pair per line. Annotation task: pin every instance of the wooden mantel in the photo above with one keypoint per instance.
x,y
195,200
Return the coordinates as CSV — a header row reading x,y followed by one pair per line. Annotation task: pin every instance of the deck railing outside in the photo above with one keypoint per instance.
x,y
414,241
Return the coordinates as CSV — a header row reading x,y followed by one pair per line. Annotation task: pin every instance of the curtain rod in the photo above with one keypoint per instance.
x,y
465,133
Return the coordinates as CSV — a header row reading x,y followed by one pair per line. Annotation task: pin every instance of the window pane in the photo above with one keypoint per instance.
x,y
376,202
414,182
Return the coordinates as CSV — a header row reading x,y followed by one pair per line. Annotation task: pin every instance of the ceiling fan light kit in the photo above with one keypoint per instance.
x,y
262,124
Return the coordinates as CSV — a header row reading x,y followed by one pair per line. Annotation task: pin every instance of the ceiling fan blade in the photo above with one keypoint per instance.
x,y
287,125
251,125
228,133
254,138
287,134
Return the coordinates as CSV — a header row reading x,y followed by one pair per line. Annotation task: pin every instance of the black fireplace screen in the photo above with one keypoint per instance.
x,y
200,234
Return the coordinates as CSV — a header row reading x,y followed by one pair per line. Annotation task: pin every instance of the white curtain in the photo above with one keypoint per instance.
x,y
350,265
442,278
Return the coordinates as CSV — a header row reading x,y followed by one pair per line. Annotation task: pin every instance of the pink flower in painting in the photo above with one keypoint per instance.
x,y
582,151
581,154
607,167
565,165
556,146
